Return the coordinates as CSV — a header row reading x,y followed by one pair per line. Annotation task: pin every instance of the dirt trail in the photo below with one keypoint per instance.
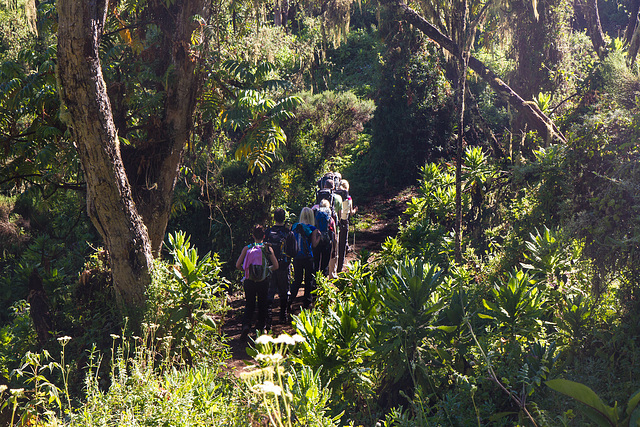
x,y
376,221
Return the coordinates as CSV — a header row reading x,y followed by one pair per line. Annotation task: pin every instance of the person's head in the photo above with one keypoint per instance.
x,y
307,216
279,215
344,184
324,203
258,232
328,183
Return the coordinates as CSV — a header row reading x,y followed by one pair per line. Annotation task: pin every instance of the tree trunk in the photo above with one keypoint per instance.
x,y
536,119
460,38
161,167
592,17
109,200
634,8
129,206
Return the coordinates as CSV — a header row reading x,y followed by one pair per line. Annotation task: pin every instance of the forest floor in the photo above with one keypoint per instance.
x,y
376,220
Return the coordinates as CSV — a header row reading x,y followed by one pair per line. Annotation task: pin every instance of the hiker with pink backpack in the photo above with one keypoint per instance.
x,y
254,261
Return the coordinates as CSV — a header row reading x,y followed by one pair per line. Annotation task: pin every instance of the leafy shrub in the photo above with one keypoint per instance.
x,y
188,302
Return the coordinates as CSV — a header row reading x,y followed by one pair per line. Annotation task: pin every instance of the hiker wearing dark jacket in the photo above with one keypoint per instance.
x,y
280,278
252,255
308,237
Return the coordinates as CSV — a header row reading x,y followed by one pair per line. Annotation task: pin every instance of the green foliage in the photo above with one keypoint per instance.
x,y
334,347
141,393
42,394
516,305
408,336
188,298
16,338
257,116
413,122
596,410
290,395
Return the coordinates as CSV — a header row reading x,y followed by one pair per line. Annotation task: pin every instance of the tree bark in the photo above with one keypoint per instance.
x,y
592,17
162,166
634,9
129,207
88,111
536,119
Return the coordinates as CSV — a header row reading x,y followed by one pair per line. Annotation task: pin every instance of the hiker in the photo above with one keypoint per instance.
x,y
327,193
347,210
276,236
307,236
253,261
327,246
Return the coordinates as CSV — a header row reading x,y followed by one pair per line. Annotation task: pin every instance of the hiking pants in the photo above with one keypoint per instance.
x,y
342,242
279,281
322,254
252,291
303,267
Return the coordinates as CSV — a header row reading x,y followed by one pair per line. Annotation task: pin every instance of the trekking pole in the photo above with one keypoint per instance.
x,y
354,236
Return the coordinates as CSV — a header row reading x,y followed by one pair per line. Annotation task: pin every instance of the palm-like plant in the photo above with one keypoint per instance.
x,y
335,344
516,305
407,332
255,114
547,257
191,297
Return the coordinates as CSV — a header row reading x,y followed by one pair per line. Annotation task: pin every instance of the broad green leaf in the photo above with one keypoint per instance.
x,y
584,394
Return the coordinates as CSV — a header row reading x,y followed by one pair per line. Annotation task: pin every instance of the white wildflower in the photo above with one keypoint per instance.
x,y
64,340
271,358
268,387
284,339
264,339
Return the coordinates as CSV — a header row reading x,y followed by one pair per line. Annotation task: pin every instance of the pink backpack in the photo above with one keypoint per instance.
x,y
255,263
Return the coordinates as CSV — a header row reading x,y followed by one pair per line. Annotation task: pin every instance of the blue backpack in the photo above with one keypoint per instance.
x,y
303,241
323,223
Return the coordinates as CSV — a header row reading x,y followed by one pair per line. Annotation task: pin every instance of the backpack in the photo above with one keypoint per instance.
x,y
291,247
302,243
283,242
323,223
342,193
255,263
324,194
334,176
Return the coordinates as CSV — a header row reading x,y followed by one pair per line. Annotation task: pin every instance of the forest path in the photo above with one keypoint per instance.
x,y
376,220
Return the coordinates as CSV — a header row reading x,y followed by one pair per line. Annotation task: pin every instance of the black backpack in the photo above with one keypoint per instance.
x,y
283,242
335,177
324,194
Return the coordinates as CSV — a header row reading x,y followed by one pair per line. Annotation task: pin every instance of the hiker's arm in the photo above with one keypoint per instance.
x,y
315,237
241,258
274,260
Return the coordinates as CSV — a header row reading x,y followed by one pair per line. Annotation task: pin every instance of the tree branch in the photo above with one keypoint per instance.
x,y
536,119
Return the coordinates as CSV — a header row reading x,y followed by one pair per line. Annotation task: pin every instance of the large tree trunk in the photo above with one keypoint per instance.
x,y
535,118
109,199
161,167
130,205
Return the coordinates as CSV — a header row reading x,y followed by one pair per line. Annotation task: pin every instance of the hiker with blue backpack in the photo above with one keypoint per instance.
x,y
307,237
282,241
326,225
254,261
